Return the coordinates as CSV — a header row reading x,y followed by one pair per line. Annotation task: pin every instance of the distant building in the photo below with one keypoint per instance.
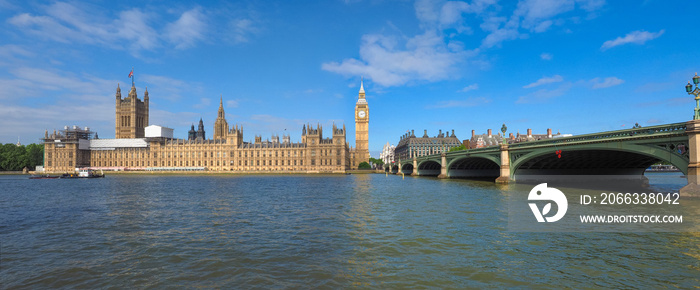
x,y
484,140
410,146
387,155
153,148
488,139
200,134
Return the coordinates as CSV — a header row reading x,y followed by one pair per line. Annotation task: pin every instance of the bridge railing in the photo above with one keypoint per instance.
x,y
675,128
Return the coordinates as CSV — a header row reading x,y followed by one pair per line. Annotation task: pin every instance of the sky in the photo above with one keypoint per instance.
x,y
575,66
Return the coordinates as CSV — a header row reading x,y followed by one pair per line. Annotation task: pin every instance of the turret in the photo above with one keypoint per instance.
x,y
119,93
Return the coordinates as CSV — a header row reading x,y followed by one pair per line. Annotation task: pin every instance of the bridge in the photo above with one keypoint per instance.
x,y
623,152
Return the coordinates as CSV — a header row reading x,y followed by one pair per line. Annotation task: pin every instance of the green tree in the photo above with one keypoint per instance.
x,y
35,155
364,165
460,147
16,158
376,161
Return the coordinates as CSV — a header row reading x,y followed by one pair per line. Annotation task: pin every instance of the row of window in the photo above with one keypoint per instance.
x,y
210,163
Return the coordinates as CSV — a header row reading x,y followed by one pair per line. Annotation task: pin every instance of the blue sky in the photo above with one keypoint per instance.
x,y
576,66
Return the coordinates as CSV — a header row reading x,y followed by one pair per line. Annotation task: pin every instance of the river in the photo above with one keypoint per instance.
x,y
310,231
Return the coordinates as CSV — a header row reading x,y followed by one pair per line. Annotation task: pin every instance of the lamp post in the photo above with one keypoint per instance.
x,y
504,129
696,93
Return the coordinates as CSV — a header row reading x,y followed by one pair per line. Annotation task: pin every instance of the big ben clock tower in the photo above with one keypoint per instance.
x,y
361,128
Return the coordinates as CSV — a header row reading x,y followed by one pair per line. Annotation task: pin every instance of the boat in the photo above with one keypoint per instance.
x,y
84,173
44,176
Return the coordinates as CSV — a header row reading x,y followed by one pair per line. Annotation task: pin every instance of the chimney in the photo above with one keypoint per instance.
x,y
529,132
412,134
453,133
473,134
425,133
439,133
489,132
549,133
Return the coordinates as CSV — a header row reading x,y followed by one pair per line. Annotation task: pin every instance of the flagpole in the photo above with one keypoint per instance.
x,y
132,76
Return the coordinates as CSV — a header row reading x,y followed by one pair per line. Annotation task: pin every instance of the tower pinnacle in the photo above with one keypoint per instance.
x,y
362,87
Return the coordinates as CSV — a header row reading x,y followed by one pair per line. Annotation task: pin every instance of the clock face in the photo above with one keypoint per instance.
x,y
361,114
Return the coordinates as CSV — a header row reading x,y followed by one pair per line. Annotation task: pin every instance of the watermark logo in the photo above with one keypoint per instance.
x,y
543,193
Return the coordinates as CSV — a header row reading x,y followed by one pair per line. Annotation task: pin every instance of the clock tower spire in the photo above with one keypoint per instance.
x,y
361,128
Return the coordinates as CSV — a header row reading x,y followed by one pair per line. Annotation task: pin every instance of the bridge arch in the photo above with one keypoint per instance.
x,y
394,169
479,166
429,168
407,168
595,159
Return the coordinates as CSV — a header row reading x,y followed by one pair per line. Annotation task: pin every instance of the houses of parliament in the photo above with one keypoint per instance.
x,y
139,147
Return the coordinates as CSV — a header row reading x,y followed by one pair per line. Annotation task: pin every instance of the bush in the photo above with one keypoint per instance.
x,y
364,165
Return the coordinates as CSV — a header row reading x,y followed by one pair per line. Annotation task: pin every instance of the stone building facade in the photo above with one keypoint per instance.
x,y
79,148
410,146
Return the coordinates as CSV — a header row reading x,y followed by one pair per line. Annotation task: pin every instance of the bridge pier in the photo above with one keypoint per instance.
x,y
505,165
415,167
693,187
443,166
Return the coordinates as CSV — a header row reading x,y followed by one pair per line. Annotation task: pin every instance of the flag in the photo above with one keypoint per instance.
x,y
131,73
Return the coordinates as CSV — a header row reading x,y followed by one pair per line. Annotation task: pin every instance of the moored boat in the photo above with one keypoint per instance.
x,y
44,176
84,173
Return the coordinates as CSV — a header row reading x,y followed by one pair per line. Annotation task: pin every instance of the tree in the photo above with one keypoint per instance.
x,y
376,161
364,165
460,147
15,158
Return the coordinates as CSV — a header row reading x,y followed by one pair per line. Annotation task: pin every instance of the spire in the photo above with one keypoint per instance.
x,y
221,113
119,92
145,94
362,86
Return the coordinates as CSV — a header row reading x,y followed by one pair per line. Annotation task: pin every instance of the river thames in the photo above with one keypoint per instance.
x,y
310,231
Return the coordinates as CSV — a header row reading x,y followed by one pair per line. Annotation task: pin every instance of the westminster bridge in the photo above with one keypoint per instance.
x,y
626,152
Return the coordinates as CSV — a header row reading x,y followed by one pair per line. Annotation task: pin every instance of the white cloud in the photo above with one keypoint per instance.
x,y
537,13
543,95
537,16
545,80
469,102
134,29
428,56
187,30
636,37
167,88
424,57
499,34
232,104
606,83
242,29
546,56
469,88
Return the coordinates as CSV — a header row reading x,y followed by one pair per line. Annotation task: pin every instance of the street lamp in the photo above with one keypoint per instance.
x,y
696,93
504,129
